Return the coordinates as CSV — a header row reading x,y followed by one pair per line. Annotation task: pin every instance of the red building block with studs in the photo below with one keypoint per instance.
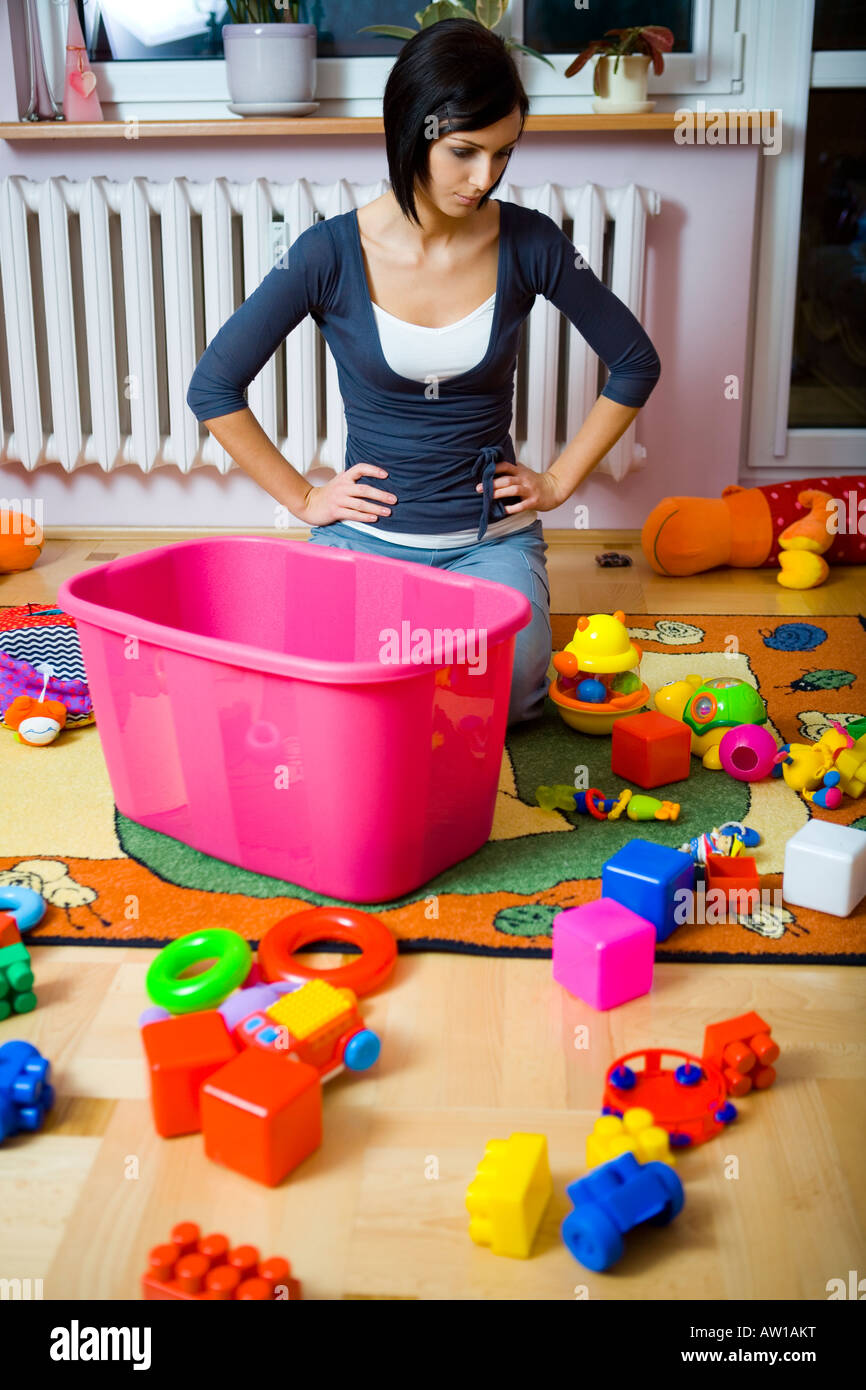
x,y
182,1052
205,1269
261,1114
744,1051
651,749
16,970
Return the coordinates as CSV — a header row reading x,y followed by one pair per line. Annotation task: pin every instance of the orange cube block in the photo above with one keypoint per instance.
x,y
651,749
182,1052
261,1114
744,1051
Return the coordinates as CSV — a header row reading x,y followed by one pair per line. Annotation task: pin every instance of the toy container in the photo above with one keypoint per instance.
x,y
325,717
598,679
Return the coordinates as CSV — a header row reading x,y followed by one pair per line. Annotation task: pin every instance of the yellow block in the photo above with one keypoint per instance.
x,y
310,1008
509,1194
636,1133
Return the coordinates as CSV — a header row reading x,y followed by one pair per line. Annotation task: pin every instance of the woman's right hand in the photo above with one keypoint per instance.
x,y
346,498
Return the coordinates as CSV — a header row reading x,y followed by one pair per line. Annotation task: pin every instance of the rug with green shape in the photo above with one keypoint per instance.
x,y
108,880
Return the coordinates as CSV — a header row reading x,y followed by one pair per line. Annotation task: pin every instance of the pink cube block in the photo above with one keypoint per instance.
x,y
603,953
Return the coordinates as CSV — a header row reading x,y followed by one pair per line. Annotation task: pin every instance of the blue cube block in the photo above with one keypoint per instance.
x,y
647,878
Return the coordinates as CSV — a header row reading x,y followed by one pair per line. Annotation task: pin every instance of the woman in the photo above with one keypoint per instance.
x,y
420,296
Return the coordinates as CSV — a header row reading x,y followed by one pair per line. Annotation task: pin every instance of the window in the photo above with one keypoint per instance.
x,y
127,31
164,59
557,26
828,367
808,412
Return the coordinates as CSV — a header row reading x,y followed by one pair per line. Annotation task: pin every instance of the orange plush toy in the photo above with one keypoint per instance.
x,y
20,541
802,526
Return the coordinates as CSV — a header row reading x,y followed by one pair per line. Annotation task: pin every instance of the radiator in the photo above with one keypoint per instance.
x,y
111,291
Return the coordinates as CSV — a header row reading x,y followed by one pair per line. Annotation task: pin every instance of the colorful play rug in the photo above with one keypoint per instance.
x,y
109,881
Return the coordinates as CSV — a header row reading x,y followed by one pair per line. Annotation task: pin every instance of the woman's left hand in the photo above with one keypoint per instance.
x,y
523,490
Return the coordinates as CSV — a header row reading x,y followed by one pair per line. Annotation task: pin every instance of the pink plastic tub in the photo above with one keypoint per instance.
x,y
267,702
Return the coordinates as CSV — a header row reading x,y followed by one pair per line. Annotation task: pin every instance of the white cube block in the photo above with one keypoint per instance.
x,y
825,868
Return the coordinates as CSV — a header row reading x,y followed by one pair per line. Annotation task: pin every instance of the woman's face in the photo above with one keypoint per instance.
x,y
463,165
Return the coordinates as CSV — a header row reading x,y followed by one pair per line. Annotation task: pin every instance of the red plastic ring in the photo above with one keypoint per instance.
x,y
378,947
590,794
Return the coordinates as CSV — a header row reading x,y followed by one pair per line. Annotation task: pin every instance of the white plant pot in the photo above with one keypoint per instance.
x,y
270,64
622,92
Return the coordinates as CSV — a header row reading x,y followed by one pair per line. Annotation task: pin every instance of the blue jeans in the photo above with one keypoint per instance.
x,y
516,560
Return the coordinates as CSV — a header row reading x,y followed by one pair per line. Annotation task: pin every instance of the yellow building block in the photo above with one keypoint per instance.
x,y
636,1133
509,1194
310,1008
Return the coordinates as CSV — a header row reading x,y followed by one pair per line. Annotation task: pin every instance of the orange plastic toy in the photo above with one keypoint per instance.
x,y
737,877
182,1052
744,1051
261,1114
361,929
204,1269
689,1101
651,749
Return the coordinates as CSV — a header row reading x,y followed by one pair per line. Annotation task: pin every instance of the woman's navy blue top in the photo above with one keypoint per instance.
x,y
435,445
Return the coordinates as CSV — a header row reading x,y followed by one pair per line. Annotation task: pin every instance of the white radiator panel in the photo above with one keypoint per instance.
x,y
70,299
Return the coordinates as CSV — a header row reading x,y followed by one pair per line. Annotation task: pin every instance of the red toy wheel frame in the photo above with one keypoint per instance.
x,y
674,1113
378,948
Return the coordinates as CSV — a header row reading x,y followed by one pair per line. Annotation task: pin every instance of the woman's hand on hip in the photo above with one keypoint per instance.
x,y
347,498
526,489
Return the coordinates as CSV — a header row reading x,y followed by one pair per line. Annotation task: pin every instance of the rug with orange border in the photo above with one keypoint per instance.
x,y
109,881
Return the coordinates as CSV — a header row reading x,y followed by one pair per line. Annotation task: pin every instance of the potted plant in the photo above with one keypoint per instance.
x,y
487,12
623,57
270,58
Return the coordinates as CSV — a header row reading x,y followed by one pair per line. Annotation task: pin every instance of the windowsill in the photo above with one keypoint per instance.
x,y
240,127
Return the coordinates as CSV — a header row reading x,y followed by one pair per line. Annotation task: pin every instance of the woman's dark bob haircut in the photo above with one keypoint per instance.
x,y
455,75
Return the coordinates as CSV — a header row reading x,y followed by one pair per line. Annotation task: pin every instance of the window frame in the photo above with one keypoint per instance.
x,y
784,65
353,86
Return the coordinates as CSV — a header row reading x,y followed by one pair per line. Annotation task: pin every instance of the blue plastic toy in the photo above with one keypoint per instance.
x,y
613,1199
25,1095
648,878
592,691
24,904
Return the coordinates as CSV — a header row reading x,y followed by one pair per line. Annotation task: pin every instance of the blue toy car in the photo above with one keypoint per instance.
x,y
614,1198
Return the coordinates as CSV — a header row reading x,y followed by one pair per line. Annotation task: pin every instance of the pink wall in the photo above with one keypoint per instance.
x,y
697,308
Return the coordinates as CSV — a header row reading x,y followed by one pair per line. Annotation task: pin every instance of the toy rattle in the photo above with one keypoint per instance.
x,y
597,679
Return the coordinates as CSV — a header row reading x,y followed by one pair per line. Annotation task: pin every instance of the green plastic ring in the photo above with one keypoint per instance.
x,y
232,959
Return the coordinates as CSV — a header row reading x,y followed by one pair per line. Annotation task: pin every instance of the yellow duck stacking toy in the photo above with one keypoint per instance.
x,y
597,679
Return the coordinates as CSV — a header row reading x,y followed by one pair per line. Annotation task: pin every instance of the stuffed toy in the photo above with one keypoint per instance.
x,y
20,541
803,527
43,683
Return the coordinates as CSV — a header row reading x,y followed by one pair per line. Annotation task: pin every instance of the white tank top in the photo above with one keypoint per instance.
x,y
429,354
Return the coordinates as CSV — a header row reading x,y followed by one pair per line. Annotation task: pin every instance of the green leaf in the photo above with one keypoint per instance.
x,y
510,43
489,12
391,31
436,10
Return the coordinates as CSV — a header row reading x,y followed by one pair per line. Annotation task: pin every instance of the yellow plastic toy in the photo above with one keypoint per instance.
x,y
597,679
805,767
803,543
636,1133
509,1194
710,708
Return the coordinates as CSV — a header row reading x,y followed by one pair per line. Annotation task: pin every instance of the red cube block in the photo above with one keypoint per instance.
x,y
261,1114
182,1052
651,749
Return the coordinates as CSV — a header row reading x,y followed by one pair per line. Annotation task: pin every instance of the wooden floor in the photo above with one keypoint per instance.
x,y
473,1049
